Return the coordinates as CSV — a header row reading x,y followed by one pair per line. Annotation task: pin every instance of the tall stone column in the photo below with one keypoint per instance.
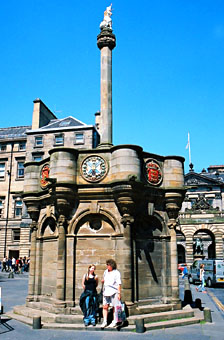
x,y
60,286
106,41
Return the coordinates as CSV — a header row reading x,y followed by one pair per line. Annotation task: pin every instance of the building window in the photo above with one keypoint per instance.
x,y
79,138
18,207
37,157
2,170
39,141
20,170
1,206
16,235
59,139
22,146
2,147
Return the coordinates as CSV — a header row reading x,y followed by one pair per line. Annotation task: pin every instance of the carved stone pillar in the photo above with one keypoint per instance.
x,y
34,214
60,285
128,270
124,200
173,204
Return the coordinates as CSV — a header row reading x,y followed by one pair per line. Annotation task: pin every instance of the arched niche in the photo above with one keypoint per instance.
x,y
181,244
95,240
204,244
88,222
181,253
48,227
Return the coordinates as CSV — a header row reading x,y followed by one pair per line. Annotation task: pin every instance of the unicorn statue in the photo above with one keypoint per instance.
x,y
107,21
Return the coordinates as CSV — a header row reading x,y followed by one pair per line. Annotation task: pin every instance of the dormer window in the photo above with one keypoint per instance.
x,y
39,141
59,139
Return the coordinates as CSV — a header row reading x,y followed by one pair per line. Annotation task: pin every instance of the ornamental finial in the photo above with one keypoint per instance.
x,y
107,21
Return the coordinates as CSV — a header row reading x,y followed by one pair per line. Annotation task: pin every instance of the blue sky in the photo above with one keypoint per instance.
x,y
168,70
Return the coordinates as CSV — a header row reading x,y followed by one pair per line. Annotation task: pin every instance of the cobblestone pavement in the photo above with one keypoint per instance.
x,y
14,292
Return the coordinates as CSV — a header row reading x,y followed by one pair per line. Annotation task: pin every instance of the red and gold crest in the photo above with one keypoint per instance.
x,y
153,172
44,173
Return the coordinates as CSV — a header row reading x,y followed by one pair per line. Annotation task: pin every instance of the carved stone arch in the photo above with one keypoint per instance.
x,y
91,217
48,225
204,241
160,218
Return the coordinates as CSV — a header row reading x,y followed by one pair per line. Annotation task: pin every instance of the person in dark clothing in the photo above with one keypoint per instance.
x,y
88,299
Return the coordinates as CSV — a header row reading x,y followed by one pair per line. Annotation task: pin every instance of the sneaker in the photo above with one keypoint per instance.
x,y
204,291
103,325
113,324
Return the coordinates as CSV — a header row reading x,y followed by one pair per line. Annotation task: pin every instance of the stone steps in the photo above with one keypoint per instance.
x,y
146,309
156,317
75,322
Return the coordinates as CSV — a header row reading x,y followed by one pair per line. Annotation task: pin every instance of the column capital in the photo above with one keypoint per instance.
x,y
127,220
106,39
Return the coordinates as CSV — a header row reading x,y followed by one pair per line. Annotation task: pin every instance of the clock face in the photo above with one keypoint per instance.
x,y
94,168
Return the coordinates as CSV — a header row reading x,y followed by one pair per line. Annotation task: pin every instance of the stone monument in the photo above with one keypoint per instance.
x,y
89,205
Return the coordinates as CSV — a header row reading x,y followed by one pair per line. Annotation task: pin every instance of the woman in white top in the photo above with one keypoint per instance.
x,y
111,291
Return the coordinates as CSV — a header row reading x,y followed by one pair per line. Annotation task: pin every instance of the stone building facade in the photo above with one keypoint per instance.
x,y
31,143
201,230
14,220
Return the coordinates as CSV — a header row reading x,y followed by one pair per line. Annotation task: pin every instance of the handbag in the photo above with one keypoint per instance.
x,y
120,314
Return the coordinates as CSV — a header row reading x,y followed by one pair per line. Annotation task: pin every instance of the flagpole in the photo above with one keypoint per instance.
x,y
189,148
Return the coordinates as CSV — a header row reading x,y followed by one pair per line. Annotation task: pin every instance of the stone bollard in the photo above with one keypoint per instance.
x,y
187,292
37,322
207,315
139,324
11,275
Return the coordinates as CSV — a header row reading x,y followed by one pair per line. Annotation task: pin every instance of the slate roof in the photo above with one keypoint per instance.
x,y
14,132
63,123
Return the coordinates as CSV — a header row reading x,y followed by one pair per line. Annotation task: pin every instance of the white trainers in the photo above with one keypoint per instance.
x,y
104,324
113,324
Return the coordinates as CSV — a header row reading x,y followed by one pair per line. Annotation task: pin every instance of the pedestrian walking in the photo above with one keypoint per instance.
x,y
201,288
